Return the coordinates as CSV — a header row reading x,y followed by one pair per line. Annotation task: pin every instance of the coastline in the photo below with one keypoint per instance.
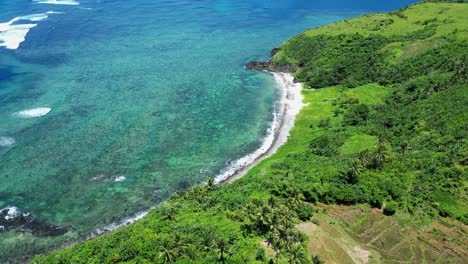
x,y
289,104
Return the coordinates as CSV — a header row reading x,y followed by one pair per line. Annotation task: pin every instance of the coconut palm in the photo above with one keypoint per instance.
x,y
296,196
168,213
354,171
168,251
206,236
296,254
191,251
210,184
380,154
272,201
222,247
277,257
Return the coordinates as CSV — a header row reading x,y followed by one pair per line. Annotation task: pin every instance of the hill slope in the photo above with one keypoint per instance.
x,y
385,126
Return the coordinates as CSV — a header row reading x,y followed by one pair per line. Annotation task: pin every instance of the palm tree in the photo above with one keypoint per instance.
x,y
354,171
380,155
296,254
168,212
277,256
191,251
206,236
198,194
272,201
296,196
284,224
222,248
210,184
168,251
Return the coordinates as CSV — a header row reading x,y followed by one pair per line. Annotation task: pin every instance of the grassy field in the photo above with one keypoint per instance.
x,y
447,16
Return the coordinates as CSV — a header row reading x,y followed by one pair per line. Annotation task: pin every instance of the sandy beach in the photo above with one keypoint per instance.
x,y
290,104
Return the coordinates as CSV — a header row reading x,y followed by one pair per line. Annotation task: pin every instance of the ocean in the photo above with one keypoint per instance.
x,y
107,107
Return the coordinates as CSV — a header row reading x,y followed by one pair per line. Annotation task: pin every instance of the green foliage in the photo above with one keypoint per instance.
x,y
390,208
326,145
356,115
317,260
260,255
387,127
304,211
421,125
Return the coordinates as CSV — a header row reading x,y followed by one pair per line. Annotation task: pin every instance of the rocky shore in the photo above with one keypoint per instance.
x,y
13,218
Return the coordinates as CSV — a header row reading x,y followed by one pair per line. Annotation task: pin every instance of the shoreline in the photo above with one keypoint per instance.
x,y
290,104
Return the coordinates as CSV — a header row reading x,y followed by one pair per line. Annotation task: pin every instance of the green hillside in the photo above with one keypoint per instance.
x,y
374,170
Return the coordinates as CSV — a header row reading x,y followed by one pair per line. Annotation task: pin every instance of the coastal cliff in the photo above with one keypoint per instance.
x,y
374,169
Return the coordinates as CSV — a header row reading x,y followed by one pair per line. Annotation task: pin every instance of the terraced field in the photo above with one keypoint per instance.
x,y
360,234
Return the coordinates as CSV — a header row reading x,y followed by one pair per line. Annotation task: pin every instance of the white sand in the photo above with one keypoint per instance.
x,y
290,104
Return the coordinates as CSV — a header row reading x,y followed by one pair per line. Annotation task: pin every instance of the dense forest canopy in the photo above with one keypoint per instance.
x,y
420,156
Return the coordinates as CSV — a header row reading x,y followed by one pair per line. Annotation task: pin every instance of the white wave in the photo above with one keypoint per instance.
x,y
36,112
267,143
288,106
57,2
116,225
7,141
248,159
13,212
120,179
11,34
107,178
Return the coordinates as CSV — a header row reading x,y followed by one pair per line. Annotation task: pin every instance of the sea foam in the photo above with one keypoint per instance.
x,y
250,158
120,179
287,108
12,34
36,112
57,2
116,225
7,141
13,212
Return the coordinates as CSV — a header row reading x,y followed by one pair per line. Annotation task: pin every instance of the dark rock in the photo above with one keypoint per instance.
x,y
267,66
274,51
13,218
43,229
258,66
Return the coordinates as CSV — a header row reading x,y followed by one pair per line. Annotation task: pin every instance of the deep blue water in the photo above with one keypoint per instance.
x,y
107,107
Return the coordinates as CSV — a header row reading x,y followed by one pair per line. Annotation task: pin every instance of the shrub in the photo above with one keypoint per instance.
x,y
356,115
390,208
304,211
260,255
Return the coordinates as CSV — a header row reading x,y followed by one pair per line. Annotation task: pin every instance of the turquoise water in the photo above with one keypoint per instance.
x,y
133,100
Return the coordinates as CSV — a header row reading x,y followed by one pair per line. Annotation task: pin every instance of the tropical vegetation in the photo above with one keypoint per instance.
x,y
385,125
